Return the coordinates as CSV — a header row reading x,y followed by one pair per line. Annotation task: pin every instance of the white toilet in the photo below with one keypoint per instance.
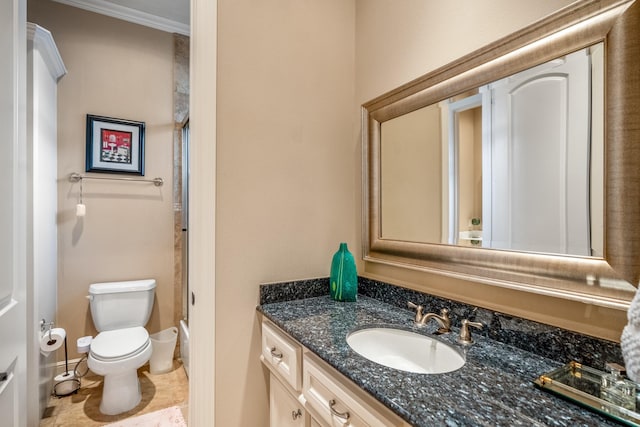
x,y
119,311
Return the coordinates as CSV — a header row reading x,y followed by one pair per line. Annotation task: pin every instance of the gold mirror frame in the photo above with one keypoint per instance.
x,y
592,280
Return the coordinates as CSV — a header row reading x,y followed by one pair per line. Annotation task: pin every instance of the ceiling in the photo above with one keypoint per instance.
x,y
165,15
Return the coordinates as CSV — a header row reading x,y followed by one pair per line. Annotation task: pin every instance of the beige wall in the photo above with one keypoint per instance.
x,y
399,41
287,171
470,167
410,173
121,70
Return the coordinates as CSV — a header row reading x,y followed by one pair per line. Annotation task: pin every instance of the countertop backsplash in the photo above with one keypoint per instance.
x,y
548,341
297,289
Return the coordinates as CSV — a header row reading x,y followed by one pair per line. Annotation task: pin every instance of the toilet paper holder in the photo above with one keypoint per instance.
x,y
44,325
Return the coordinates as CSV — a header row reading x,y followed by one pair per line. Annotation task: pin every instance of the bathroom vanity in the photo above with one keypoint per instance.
x,y
318,380
305,390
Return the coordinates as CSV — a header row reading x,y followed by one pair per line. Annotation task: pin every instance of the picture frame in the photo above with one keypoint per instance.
x,y
114,145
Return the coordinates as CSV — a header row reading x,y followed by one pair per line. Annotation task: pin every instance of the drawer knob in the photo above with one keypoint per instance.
x,y
296,414
344,415
275,353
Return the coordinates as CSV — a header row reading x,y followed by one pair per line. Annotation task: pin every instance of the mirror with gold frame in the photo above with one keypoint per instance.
x,y
607,276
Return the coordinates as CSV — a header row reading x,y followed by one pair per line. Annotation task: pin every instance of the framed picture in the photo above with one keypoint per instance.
x,y
114,145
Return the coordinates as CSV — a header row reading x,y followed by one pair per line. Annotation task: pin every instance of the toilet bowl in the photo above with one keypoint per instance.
x,y
120,310
117,355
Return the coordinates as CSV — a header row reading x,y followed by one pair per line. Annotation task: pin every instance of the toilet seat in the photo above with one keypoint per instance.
x,y
111,346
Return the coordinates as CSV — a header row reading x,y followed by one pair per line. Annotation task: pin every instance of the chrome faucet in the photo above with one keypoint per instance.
x,y
443,318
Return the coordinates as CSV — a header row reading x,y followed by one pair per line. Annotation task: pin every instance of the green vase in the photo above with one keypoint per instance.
x,y
343,280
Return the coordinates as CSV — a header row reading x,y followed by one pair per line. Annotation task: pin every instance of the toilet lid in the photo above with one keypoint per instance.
x,y
119,343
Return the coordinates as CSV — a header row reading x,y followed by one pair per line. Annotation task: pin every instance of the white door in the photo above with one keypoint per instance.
x,y
539,197
13,50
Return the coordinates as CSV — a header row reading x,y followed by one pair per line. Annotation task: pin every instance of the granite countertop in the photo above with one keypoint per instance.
x,y
494,388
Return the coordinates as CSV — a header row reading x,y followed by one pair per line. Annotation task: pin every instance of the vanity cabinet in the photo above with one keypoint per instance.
x,y
283,357
306,391
332,399
284,409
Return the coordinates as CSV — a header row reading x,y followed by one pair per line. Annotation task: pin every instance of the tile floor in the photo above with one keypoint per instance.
x,y
81,409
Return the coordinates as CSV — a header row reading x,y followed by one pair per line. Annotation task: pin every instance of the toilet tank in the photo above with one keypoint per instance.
x,y
117,305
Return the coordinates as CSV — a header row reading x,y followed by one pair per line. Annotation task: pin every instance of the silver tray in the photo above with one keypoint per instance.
x,y
582,385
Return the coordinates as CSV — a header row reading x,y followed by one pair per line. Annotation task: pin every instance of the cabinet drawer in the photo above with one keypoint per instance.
x,y
336,401
282,355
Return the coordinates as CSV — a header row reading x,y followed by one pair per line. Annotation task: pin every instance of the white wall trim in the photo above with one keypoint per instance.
x,y
43,41
202,213
130,15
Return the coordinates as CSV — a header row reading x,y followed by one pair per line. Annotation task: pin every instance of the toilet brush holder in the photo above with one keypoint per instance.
x,y
66,383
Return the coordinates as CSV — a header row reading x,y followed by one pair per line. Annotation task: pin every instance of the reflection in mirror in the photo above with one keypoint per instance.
x,y
516,164
411,178
466,175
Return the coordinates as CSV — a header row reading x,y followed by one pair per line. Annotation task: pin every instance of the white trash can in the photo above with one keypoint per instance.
x,y
163,344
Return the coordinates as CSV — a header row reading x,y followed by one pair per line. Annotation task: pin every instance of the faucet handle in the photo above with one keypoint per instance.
x,y
418,309
465,335
445,326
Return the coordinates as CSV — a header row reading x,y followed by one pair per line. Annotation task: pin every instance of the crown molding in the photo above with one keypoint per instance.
x,y
43,41
131,15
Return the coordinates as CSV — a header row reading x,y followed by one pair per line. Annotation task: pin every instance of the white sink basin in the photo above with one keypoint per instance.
x,y
405,350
